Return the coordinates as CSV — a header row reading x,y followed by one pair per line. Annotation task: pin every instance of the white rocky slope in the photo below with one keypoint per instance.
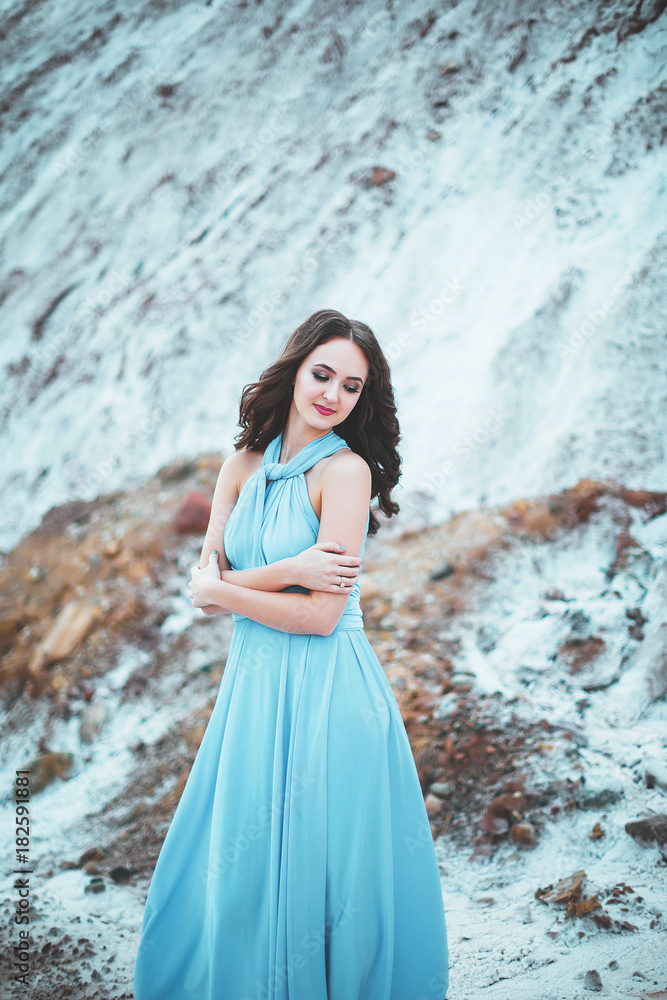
x,y
181,184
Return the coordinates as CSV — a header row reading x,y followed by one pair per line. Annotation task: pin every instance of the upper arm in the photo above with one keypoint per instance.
x,y
346,496
224,500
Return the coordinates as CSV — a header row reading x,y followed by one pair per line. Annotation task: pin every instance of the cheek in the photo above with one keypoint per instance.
x,y
302,386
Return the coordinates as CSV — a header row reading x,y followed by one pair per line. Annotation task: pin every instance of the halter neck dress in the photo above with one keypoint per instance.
x,y
299,864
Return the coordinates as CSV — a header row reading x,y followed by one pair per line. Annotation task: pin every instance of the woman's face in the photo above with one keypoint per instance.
x,y
329,381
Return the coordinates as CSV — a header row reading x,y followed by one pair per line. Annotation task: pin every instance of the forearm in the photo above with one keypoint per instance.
x,y
294,613
276,576
214,609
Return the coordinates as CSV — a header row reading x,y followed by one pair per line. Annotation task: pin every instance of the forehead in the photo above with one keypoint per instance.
x,y
339,352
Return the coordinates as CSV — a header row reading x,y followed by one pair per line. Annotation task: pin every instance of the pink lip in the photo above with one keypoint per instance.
x,y
323,410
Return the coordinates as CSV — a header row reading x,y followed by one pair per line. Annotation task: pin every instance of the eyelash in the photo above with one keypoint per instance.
x,y
320,377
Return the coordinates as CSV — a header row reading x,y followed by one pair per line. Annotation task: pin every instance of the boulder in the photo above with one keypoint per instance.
x,y
68,630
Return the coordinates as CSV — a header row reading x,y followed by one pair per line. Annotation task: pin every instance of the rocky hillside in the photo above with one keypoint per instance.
x,y
524,644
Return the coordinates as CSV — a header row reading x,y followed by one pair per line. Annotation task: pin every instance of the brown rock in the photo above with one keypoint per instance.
x,y
592,980
68,630
579,652
92,854
120,874
523,835
96,884
433,805
483,846
112,548
565,890
48,766
381,175
648,830
177,470
193,514
584,906
502,812
451,66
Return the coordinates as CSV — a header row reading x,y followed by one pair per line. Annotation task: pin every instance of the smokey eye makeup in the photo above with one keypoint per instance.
x,y
319,376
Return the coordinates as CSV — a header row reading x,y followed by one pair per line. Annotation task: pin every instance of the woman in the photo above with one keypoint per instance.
x,y
299,864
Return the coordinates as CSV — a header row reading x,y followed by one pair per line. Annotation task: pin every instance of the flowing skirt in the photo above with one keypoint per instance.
x,y
299,864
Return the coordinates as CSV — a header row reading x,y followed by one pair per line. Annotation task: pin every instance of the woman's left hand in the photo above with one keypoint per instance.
x,y
201,578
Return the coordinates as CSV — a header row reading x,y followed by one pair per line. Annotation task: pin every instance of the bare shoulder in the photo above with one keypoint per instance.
x,y
232,464
345,467
241,464
245,458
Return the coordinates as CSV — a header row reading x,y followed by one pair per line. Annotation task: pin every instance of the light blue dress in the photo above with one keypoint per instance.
x,y
299,864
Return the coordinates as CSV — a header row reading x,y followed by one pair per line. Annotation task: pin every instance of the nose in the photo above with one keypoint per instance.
x,y
330,392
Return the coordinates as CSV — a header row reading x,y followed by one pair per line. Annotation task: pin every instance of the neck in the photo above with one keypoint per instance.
x,y
297,434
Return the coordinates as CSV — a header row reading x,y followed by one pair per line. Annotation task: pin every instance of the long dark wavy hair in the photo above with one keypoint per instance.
x,y
371,428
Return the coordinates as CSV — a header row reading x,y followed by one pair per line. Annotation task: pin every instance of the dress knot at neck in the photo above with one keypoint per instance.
x,y
303,460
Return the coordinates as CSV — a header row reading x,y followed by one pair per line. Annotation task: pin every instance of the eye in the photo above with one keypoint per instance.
x,y
323,378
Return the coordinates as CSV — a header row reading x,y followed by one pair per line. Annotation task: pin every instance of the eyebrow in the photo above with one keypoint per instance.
x,y
353,378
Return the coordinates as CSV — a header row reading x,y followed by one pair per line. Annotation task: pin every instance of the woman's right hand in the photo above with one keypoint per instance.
x,y
321,566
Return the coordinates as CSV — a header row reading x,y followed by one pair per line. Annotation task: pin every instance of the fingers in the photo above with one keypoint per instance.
x,y
349,580
338,550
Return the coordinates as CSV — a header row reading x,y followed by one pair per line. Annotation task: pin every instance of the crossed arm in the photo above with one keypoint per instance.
x,y
256,593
